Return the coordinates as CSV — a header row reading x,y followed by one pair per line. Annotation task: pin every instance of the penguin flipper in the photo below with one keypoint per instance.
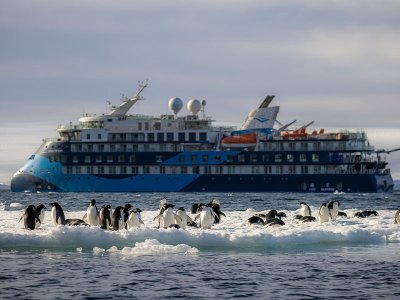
x,y
84,218
158,217
140,221
21,218
189,219
197,217
222,214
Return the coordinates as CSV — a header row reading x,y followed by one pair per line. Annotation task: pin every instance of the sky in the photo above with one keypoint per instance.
x,y
333,62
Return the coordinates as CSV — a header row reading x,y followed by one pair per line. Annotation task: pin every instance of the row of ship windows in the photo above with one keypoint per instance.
x,y
152,137
134,147
133,170
193,158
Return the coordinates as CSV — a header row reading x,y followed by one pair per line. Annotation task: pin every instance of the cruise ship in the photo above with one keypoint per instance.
x,y
121,152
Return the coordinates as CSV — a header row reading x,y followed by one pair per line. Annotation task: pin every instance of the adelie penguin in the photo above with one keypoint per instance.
x,y
105,217
163,202
333,207
92,214
39,211
117,219
215,206
57,214
255,220
206,216
365,214
76,222
30,217
134,219
126,211
323,213
168,217
185,219
273,222
304,209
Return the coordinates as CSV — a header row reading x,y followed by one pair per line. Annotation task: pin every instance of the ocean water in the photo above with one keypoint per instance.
x,y
347,259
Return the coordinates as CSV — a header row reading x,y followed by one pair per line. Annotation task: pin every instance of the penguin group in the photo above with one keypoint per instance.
x,y
327,212
272,218
206,215
122,217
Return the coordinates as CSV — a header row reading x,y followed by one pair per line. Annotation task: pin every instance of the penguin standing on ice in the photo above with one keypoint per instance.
x,y
215,206
57,214
206,216
117,219
323,213
333,207
305,210
134,219
126,212
184,218
105,217
30,217
39,211
163,202
168,217
92,214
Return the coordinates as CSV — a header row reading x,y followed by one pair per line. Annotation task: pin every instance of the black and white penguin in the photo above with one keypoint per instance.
x,y
92,214
39,211
194,208
215,206
273,222
206,216
134,219
126,212
272,214
105,217
255,220
57,214
30,217
184,218
281,215
304,209
76,222
163,202
117,219
168,216
333,207
397,217
323,213
366,213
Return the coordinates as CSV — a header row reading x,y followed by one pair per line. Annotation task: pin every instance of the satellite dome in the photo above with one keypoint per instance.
x,y
175,104
194,106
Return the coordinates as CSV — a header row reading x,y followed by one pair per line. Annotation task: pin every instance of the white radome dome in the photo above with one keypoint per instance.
x,y
175,104
194,106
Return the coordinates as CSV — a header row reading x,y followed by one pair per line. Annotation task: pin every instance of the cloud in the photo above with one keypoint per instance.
x,y
335,62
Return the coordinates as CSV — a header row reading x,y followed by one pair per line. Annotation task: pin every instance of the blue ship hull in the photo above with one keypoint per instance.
x,y
54,180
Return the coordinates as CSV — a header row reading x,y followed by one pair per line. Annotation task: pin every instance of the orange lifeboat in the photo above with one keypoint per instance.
x,y
243,140
295,134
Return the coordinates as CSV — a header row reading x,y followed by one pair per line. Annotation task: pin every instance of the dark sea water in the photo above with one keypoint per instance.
x,y
326,269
